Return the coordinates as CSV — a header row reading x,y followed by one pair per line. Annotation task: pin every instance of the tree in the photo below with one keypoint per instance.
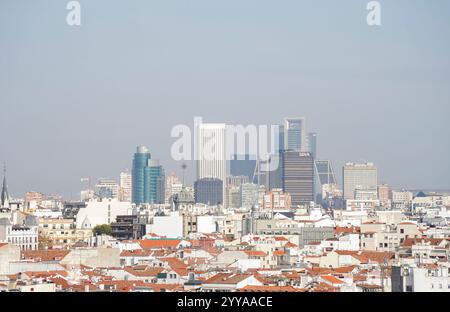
x,y
103,229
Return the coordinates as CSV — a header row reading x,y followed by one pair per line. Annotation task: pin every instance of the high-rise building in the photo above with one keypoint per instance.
x,y
233,194
125,186
295,137
171,181
154,173
148,180
359,176
324,175
298,177
139,184
312,144
249,195
107,188
208,191
243,165
211,152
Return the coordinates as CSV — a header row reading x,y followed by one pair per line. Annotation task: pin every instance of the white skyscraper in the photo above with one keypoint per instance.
x,y
125,186
211,151
359,176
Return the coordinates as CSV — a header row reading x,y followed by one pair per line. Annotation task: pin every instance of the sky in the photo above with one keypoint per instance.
x,y
76,101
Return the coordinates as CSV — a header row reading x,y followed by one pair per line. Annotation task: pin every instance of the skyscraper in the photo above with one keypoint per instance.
x,y
298,177
324,172
295,137
139,184
312,144
249,195
359,176
211,152
154,173
209,191
243,165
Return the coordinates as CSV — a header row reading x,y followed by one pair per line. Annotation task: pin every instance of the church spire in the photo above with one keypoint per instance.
x,y
5,196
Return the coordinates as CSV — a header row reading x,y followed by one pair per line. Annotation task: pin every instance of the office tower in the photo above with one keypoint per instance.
x,y
237,180
243,165
298,177
125,184
139,184
312,144
358,176
107,188
249,195
233,194
208,191
154,189
211,152
171,180
324,173
295,137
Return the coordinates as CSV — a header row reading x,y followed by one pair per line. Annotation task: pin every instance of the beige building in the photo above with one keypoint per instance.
x,y
61,232
359,176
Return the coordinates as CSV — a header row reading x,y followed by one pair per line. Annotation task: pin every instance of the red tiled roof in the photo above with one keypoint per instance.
x,y
135,253
45,255
159,243
227,278
331,279
271,289
255,253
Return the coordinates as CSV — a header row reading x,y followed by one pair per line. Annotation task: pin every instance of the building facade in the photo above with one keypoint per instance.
x,y
298,177
359,176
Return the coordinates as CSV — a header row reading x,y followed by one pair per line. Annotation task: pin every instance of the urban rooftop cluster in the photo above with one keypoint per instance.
x,y
236,229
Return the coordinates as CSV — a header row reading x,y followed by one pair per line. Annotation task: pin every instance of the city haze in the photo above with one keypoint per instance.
x,y
76,101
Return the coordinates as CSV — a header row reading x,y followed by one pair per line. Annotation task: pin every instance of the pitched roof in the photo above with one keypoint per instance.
x,y
147,272
331,279
413,241
45,255
374,256
135,253
159,243
255,253
271,289
227,278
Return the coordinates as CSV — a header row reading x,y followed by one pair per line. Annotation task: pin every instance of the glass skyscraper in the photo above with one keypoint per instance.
x,y
140,185
154,173
148,179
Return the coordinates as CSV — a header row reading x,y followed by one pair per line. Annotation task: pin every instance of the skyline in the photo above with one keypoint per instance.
x,y
74,103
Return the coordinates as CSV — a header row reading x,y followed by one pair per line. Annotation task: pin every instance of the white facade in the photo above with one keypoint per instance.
x,y
359,176
125,186
211,152
168,226
107,184
103,211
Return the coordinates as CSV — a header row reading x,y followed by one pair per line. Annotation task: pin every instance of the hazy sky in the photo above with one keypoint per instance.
x,y
75,101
